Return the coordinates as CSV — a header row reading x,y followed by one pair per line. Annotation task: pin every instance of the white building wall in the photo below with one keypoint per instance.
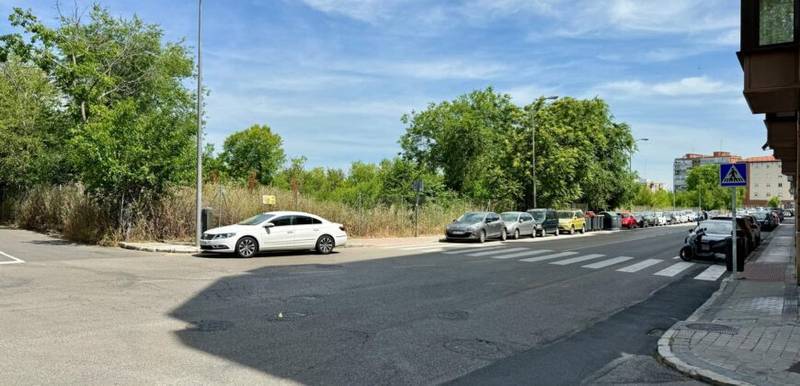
x,y
767,181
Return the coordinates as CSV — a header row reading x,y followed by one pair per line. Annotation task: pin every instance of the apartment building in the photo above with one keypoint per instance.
x,y
765,180
682,165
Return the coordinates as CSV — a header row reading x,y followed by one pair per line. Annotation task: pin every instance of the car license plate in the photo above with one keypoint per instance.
x,y
705,247
457,232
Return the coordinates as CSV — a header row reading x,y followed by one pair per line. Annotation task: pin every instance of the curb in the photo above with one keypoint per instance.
x,y
164,249
666,356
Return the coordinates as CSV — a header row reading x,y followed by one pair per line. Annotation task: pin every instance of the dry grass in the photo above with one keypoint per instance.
x,y
68,210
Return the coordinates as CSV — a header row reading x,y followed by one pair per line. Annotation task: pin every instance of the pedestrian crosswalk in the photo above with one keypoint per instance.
x,y
664,267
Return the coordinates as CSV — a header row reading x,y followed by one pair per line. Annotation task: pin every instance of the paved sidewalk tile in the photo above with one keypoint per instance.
x,y
749,331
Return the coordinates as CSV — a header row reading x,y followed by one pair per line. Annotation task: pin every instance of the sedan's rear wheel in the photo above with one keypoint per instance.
x,y
246,247
325,244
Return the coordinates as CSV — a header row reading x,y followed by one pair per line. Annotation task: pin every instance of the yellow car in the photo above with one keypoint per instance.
x,y
570,221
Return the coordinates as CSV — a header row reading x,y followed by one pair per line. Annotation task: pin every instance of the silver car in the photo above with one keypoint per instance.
x,y
478,226
518,224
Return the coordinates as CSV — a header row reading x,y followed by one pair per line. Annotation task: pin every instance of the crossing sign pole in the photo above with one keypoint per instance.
x,y
733,176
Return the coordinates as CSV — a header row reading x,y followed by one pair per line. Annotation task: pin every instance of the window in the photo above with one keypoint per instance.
x,y
780,185
302,220
282,221
776,22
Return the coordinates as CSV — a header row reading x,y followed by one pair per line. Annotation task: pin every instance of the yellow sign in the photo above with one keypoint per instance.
x,y
268,199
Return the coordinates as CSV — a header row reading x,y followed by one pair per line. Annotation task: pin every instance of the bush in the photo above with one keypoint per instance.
x,y
73,213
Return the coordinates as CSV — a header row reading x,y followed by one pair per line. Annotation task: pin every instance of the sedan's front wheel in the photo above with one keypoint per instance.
x,y
325,244
246,247
516,234
504,235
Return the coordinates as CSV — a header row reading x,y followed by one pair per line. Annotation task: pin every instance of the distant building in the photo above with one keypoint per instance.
x,y
682,165
653,185
766,180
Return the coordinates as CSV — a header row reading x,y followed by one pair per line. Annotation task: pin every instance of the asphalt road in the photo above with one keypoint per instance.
x,y
566,310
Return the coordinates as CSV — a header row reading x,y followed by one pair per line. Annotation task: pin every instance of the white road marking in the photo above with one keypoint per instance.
x,y
14,260
606,263
521,254
549,257
640,266
711,273
423,247
462,250
578,259
479,254
674,269
678,257
429,250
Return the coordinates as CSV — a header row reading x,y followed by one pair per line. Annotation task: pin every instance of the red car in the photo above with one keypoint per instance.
x,y
629,221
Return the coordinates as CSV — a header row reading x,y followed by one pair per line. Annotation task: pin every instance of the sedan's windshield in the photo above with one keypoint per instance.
x,y
564,214
716,227
538,215
257,219
760,216
510,216
471,217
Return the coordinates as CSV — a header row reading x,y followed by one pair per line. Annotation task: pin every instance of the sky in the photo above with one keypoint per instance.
x,y
334,77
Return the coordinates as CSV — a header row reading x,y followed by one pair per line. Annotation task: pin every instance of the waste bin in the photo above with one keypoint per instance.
x,y
597,222
206,218
611,221
740,257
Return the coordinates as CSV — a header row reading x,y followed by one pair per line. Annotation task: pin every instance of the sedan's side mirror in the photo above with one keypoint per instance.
x,y
521,220
269,225
488,221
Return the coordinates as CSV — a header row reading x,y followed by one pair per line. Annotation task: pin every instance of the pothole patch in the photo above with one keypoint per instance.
x,y
453,315
286,316
207,325
713,327
478,348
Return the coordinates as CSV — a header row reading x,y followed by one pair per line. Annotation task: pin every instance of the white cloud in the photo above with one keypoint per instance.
x,y
365,10
691,86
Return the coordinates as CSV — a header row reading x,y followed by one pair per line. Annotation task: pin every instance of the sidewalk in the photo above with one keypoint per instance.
x,y
748,332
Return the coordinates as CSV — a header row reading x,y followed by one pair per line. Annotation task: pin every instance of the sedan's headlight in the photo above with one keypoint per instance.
x,y
221,236
539,226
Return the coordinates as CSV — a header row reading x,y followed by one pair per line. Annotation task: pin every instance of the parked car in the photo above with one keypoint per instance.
x,y
571,221
648,219
788,213
661,219
745,227
629,221
712,237
479,226
779,211
275,231
767,220
755,227
518,224
546,221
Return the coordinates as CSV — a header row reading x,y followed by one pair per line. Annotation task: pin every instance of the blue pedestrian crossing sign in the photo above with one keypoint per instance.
x,y
733,175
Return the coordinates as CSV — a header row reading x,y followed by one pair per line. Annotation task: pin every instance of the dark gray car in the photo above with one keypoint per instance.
x,y
518,224
478,226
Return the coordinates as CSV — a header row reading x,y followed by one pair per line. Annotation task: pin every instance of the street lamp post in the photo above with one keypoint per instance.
x,y
533,146
199,187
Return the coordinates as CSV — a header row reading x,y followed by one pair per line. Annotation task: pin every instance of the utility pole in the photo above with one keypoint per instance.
x,y
199,187
533,147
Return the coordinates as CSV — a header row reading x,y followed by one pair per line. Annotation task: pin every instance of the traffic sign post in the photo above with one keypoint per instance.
x,y
733,176
418,185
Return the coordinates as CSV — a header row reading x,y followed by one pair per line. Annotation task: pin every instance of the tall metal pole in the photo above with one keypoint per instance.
x,y
533,146
199,187
734,234
533,155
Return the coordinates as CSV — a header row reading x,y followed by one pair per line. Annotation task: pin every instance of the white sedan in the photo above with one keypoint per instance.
x,y
275,231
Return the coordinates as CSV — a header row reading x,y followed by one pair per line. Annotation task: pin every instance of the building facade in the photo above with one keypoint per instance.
x,y
766,180
682,165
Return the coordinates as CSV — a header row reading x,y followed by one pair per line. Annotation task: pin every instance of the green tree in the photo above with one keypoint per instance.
x,y
703,182
121,88
31,128
774,202
256,149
